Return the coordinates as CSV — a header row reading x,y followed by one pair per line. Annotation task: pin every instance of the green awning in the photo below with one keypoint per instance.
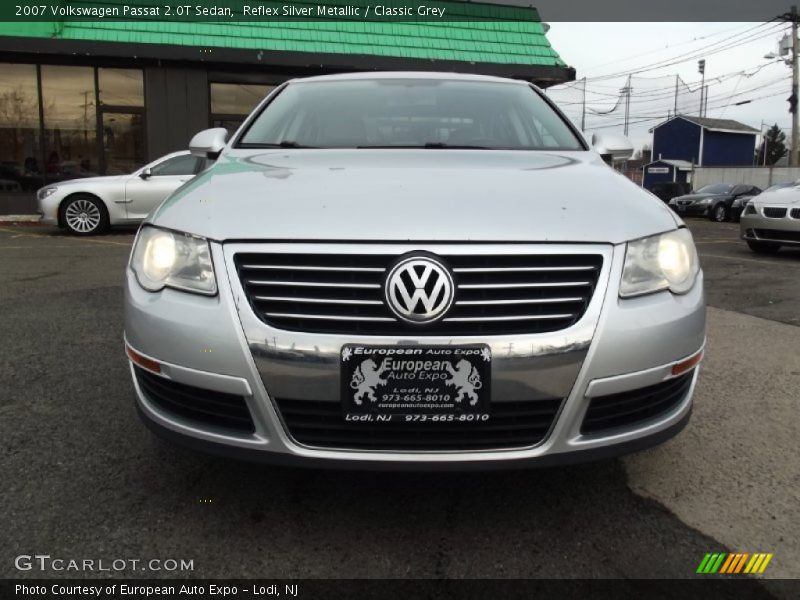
x,y
483,34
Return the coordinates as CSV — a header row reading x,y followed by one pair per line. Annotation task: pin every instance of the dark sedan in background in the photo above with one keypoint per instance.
x,y
715,201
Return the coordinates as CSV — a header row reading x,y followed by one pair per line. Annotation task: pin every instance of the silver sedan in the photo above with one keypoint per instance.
x,y
90,205
772,220
397,270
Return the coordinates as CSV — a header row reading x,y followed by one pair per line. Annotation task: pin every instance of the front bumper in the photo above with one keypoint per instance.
x,y
758,228
48,209
219,344
690,210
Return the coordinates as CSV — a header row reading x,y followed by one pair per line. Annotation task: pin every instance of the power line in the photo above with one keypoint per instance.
x,y
692,41
700,52
664,116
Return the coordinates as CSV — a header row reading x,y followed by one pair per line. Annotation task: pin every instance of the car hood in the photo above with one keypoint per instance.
x,y
431,195
781,197
91,180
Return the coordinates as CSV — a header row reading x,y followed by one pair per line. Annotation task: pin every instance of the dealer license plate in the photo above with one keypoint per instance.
x,y
416,383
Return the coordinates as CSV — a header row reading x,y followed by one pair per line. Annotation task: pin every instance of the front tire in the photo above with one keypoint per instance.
x,y
83,214
719,213
763,247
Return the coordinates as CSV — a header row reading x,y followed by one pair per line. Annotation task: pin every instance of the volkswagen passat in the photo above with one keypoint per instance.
x,y
406,269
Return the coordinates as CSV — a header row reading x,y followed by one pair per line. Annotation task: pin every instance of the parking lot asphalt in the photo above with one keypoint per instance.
x,y
83,478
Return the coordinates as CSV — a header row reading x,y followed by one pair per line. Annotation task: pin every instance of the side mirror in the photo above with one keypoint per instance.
x,y
146,173
612,146
208,143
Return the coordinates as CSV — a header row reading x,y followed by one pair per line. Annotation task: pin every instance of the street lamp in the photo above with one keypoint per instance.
x,y
701,68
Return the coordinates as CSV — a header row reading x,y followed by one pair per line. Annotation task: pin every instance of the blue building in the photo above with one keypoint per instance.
x,y
701,142
665,170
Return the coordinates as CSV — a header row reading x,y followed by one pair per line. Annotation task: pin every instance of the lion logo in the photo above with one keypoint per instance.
x,y
466,379
366,377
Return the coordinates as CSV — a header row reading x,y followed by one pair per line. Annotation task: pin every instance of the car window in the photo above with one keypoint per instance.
x,y
741,189
186,164
410,113
715,188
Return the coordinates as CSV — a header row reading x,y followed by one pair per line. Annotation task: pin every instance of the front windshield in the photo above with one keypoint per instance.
x,y
780,186
715,188
410,113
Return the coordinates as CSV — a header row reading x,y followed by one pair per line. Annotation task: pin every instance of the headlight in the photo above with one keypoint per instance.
x,y
704,201
164,258
666,261
749,209
46,191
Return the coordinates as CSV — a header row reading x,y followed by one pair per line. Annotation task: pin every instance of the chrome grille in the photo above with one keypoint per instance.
x,y
774,212
343,293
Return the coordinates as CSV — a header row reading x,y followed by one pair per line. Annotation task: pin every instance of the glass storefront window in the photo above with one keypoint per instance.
x,y
123,142
121,87
70,122
232,102
20,158
237,98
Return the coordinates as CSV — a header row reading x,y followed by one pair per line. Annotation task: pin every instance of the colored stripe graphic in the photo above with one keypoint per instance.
x,y
727,564
734,563
703,563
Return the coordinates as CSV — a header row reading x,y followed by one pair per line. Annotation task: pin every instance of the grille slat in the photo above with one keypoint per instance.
x,y
517,301
316,268
495,294
336,284
634,406
512,424
795,213
500,286
521,269
319,300
196,404
508,318
327,317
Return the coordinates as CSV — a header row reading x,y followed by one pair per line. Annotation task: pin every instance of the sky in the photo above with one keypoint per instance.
x,y
736,70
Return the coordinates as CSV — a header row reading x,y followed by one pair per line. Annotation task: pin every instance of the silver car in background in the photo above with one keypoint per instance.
x,y
772,220
405,270
89,205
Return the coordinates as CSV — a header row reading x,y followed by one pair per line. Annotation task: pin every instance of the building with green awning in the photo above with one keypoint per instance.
x,y
103,96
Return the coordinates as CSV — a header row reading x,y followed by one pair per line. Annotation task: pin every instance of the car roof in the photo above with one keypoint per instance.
x,y
440,75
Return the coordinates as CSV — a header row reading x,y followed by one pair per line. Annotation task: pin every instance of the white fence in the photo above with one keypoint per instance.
x,y
762,177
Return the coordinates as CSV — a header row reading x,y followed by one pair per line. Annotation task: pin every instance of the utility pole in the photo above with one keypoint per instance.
x,y
793,155
701,67
583,112
627,91
677,79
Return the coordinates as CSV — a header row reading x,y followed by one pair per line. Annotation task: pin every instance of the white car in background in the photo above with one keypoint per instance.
x,y
90,205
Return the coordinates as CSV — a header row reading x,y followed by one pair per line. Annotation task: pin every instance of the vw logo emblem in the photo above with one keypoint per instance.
x,y
419,290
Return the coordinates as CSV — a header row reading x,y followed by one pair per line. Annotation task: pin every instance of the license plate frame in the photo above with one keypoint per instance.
x,y
381,383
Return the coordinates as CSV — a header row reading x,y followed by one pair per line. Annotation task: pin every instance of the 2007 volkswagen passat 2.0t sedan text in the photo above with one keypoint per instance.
x,y
413,270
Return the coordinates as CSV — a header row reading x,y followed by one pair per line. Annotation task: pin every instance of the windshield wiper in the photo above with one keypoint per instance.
x,y
426,146
442,145
283,144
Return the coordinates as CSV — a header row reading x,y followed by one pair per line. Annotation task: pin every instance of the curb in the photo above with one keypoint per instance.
x,y
19,219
